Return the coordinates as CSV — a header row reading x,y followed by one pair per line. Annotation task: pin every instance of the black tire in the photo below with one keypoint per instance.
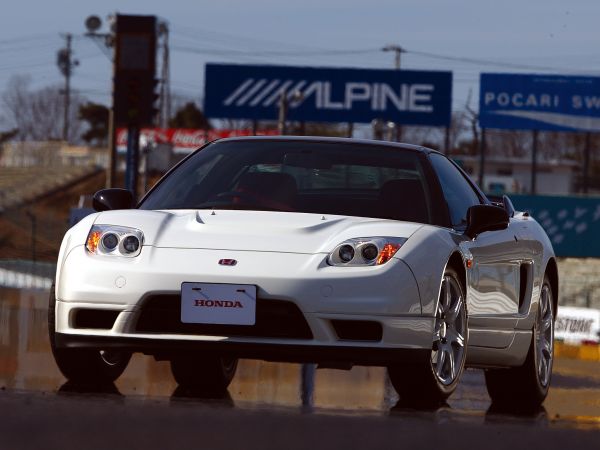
x,y
84,366
419,385
523,388
205,374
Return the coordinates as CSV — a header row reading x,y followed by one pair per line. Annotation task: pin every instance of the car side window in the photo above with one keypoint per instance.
x,y
459,194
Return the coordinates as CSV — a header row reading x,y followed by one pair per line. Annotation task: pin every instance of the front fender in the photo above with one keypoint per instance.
x,y
427,252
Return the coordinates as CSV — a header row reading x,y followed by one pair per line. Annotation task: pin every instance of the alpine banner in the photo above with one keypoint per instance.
x,y
253,92
539,102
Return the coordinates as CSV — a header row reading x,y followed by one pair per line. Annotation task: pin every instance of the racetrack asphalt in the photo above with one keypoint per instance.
x,y
268,405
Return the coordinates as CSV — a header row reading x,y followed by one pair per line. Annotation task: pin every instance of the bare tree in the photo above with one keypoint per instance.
x,y
38,113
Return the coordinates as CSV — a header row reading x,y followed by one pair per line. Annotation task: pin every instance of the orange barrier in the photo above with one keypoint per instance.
x,y
586,352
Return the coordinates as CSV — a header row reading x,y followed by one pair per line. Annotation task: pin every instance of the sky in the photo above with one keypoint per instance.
x,y
532,36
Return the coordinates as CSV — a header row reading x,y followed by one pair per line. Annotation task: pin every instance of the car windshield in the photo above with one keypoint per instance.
x,y
301,176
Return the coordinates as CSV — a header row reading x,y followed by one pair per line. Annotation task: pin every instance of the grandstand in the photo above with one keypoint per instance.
x,y
23,185
39,184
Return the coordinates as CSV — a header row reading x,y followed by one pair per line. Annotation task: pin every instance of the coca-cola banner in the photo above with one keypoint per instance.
x,y
183,140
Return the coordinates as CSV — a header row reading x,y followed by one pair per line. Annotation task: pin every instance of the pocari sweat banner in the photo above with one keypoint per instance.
x,y
253,92
539,102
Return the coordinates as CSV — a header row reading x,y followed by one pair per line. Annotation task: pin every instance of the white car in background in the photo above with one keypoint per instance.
x,y
334,251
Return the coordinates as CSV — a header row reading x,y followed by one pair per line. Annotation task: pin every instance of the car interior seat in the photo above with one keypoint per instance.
x,y
403,200
271,188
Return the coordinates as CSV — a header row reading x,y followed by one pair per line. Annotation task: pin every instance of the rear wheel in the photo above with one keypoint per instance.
x,y
526,387
207,374
432,383
82,365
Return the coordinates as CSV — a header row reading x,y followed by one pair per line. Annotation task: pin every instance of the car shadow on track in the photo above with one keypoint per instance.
x,y
216,398
537,416
495,414
95,389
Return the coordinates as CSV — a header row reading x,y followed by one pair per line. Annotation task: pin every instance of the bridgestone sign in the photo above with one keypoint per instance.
x,y
328,95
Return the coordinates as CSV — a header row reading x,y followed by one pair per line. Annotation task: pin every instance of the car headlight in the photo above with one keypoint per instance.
x,y
114,240
372,251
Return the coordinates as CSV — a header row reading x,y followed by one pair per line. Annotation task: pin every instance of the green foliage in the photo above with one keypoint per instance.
x,y
96,115
6,136
189,116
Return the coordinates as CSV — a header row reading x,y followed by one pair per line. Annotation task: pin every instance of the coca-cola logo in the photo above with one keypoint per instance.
x,y
183,138
187,138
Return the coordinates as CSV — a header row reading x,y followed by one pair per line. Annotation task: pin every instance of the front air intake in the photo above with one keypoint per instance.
x,y
161,313
358,330
97,319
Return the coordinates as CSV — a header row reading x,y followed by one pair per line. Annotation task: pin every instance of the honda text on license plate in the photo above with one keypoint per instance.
x,y
224,304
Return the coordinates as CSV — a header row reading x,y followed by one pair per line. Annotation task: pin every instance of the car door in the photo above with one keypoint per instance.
x,y
493,291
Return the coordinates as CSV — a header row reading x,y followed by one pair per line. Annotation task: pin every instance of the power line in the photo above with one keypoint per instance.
x,y
208,35
273,52
27,38
485,62
28,48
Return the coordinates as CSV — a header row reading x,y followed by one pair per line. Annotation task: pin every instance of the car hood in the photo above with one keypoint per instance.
x,y
252,230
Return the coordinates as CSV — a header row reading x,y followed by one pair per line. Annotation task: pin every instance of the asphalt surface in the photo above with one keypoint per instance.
x,y
268,405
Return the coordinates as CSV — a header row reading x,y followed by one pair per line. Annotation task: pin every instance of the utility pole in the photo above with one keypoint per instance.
x,y
285,98
282,116
106,43
66,65
586,162
482,159
397,54
165,86
534,150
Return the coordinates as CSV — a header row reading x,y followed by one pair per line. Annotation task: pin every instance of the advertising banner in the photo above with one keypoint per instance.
x,y
253,92
572,223
577,325
539,102
183,140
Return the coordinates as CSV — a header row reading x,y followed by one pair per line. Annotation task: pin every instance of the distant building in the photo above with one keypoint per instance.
x,y
51,154
513,175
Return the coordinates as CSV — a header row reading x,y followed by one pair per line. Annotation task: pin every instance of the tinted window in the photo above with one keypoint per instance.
x,y
458,192
309,177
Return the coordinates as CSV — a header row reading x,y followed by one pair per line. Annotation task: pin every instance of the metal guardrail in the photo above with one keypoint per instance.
x,y
23,274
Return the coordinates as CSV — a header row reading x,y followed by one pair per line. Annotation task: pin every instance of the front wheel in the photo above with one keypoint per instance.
x,y
210,374
526,387
83,365
432,383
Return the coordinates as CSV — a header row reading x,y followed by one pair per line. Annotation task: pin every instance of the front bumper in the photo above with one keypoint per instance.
x,y
295,353
387,295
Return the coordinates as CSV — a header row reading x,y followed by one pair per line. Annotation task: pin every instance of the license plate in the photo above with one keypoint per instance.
x,y
224,304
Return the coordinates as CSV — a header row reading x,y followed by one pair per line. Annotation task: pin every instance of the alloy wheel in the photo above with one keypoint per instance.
x,y
450,331
544,336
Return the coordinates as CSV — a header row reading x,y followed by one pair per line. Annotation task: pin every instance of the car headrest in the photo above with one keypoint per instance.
x,y
404,200
280,187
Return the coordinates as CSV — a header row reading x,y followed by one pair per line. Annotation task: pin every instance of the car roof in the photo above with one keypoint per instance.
x,y
332,140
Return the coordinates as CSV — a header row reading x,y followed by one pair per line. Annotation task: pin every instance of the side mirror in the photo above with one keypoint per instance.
x,y
508,206
107,199
482,218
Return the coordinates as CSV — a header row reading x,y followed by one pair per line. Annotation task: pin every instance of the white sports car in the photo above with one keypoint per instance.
x,y
339,252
